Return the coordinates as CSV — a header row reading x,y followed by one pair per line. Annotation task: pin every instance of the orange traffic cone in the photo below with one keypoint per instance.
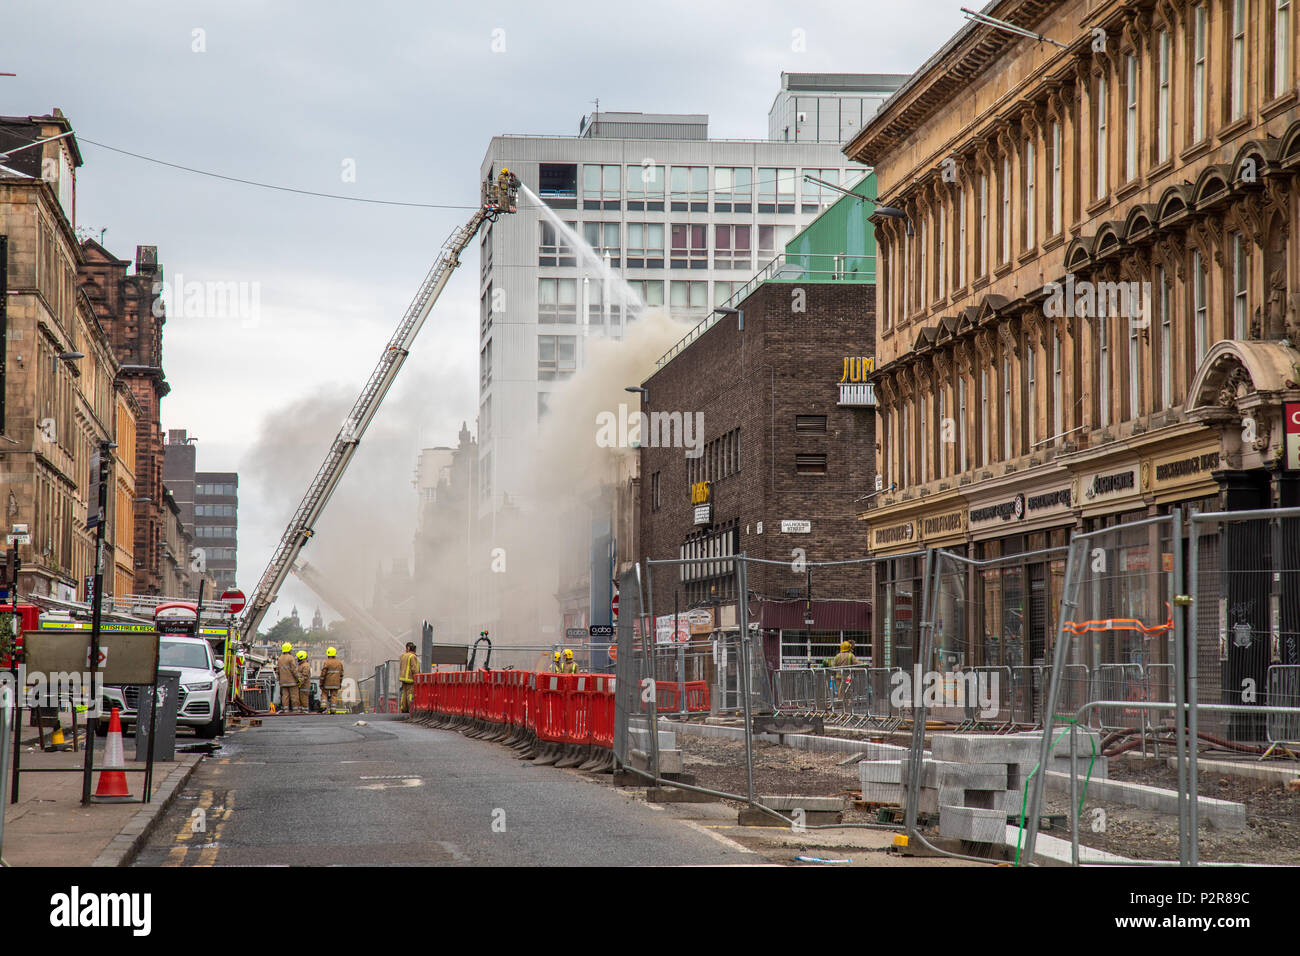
x,y
112,786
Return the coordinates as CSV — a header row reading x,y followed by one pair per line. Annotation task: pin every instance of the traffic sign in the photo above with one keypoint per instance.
x,y
233,599
18,539
613,607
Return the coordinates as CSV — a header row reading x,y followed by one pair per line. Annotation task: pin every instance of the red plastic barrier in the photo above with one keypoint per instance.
x,y
697,696
559,708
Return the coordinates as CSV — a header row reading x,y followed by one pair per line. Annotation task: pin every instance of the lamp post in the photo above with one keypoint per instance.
x,y
96,609
739,313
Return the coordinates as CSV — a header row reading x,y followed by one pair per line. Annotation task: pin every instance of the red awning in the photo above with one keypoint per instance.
x,y
827,615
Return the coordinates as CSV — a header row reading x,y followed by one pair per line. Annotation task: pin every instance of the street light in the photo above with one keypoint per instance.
x,y
889,212
644,392
727,310
67,357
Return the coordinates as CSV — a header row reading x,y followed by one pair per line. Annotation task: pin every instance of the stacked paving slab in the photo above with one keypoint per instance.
x,y
974,782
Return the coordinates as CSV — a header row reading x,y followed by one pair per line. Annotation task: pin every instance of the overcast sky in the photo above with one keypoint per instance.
x,y
291,91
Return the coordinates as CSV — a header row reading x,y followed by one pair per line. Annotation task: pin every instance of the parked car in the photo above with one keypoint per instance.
x,y
203,689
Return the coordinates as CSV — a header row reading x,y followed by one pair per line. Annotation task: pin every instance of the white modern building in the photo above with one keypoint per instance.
x,y
828,107
684,219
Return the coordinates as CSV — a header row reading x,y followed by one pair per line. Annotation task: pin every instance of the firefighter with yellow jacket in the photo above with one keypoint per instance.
x,y
303,673
570,666
407,668
286,673
331,679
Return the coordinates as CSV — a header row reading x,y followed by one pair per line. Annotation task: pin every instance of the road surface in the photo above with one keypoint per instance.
x,y
315,790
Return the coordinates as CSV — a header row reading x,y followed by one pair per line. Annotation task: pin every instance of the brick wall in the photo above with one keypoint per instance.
x,y
783,364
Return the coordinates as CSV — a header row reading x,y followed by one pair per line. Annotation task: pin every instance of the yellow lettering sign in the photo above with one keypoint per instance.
x,y
700,493
857,369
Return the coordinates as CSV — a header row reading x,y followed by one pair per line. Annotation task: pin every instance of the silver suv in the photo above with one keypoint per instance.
x,y
203,688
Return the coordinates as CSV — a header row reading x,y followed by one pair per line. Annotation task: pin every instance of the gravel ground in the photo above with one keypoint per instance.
x,y
719,764
1272,833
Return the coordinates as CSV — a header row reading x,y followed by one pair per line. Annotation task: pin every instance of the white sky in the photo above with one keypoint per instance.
x,y
412,92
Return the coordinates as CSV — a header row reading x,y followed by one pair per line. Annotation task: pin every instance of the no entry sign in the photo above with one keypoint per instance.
x,y
233,600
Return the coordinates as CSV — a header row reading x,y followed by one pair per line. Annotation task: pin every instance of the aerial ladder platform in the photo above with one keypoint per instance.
x,y
499,195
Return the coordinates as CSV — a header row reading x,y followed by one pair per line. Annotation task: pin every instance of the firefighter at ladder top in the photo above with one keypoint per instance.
x,y
407,668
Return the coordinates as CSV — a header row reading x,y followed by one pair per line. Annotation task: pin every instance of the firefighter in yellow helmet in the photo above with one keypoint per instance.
x,y
407,668
556,666
303,672
570,666
331,679
845,657
286,673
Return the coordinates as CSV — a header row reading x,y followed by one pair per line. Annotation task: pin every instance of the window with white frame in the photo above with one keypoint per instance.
x,y
1200,70
1058,409
690,248
557,357
1006,408
722,291
815,195
1163,131
771,240
645,187
1130,117
1005,224
961,421
1031,208
1166,343
941,253
645,245
1099,148
1103,371
557,301
922,274
651,291
984,415
1237,65
733,189
732,247
941,464
552,248
688,295
1240,278
1031,392
1200,308
776,190
1134,368
603,239
601,183
1281,47
922,445
689,188
1054,210
959,254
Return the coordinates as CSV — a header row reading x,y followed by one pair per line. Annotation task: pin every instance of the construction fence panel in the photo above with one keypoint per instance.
x,y
1284,691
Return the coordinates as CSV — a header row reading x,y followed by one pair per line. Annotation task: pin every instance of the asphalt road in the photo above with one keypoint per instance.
x,y
315,790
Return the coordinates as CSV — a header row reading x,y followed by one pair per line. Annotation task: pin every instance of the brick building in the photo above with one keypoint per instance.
x,y
60,397
132,315
785,454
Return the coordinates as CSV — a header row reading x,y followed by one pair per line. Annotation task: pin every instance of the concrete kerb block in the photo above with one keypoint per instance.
x,y
972,823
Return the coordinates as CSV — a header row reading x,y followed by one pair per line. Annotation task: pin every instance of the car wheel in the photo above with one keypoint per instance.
x,y
213,728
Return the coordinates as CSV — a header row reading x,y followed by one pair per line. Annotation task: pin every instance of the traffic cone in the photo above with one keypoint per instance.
x,y
112,786
58,741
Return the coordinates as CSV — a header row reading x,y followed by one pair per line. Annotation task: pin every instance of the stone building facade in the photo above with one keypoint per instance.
x,y
1090,314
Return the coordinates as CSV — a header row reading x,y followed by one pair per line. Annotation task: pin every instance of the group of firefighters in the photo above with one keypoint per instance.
x,y
294,676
